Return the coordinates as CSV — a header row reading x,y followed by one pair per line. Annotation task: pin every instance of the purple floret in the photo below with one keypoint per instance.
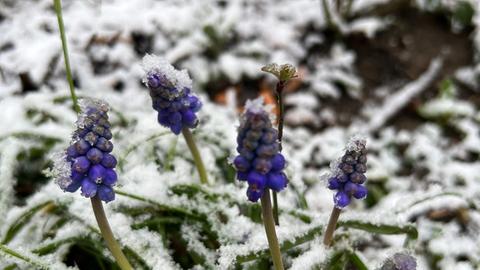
x,y
254,193
341,199
89,188
105,193
277,181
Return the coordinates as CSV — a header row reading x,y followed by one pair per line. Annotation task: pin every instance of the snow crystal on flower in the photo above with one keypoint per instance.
x,y
154,64
61,170
257,106
87,104
356,143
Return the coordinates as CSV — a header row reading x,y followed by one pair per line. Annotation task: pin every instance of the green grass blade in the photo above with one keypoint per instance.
x,y
23,219
58,10
284,246
10,252
408,229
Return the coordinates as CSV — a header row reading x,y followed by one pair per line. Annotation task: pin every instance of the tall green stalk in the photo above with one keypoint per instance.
x,y
281,116
332,225
58,10
197,158
269,224
108,234
96,202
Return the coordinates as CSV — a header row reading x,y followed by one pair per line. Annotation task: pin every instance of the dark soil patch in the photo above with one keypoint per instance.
x,y
404,51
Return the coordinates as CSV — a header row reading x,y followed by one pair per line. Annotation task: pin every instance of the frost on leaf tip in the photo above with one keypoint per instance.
x,y
153,64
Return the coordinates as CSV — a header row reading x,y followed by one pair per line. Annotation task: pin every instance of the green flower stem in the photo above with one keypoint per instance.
x,y
196,155
270,230
281,113
108,235
58,10
281,110
332,224
19,256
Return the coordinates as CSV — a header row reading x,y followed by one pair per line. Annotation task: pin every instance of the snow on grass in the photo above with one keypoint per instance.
x,y
411,172
394,103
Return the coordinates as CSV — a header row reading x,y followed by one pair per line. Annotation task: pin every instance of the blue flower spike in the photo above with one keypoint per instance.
x,y
176,104
400,261
348,174
87,163
259,161
261,164
347,179
171,94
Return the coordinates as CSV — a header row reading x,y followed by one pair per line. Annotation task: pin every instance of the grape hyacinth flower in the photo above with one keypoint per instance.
x,y
171,92
400,261
347,178
261,165
259,161
349,175
87,164
176,104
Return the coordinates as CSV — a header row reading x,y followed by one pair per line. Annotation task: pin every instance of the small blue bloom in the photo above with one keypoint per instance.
x,y
74,186
105,193
171,94
254,193
277,181
259,161
87,162
89,188
109,161
400,261
348,175
341,199
95,155
81,164
110,177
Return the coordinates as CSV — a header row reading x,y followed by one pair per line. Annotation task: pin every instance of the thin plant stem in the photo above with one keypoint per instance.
x,y
332,224
280,116
108,235
21,257
270,230
58,10
281,110
197,158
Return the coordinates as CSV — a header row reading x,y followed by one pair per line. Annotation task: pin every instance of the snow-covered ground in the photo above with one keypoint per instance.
x,y
424,178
